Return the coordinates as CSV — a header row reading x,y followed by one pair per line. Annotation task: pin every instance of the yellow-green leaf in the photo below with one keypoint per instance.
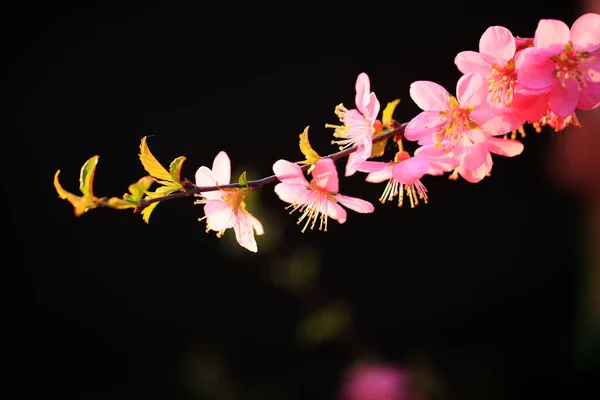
x,y
175,169
147,211
151,164
311,155
386,116
243,181
80,204
135,195
86,176
378,148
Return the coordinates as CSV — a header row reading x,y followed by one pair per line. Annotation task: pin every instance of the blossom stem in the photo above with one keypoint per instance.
x,y
191,189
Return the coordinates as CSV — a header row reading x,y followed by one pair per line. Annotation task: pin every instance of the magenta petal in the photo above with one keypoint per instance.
x,y
431,150
478,174
529,108
411,170
325,175
429,96
471,90
471,61
585,32
564,99
551,34
499,43
589,98
536,70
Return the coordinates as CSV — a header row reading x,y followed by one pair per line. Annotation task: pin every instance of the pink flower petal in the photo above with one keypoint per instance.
x,y
529,108
551,34
431,151
381,175
475,157
205,177
429,96
495,120
219,215
258,228
363,90
536,69
288,172
222,168
589,98
564,99
593,64
499,43
292,193
411,170
441,165
422,127
244,233
371,166
325,175
505,147
471,61
585,32
371,107
471,90
355,204
335,211
478,174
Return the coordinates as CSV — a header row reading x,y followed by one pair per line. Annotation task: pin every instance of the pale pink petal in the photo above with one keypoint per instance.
x,y
471,90
505,147
292,193
325,175
441,165
585,32
289,172
411,170
381,175
498,42
335,211
422,127
219,215
258,228
244,233
475,157
355,117
564,99
429,96
478,174
358,157
551,34
363,89
222,168
355,204
589,98
471,61
494,120
432,151
371,107
205,177
371,166
536,69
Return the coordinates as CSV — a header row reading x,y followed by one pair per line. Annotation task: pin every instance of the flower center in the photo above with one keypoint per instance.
x,y
572,65
458,126
502,83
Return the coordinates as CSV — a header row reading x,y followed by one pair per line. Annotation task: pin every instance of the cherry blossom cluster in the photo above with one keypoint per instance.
x,y
508,83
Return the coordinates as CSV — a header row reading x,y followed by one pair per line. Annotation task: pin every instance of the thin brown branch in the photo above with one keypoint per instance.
x,y
191,189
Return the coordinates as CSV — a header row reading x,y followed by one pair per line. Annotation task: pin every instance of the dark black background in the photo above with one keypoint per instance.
x,y
482,282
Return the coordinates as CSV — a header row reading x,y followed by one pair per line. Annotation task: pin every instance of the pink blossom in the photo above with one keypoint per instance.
x,y
377,382
225,208
474,165
557,123
404,174
358,123
318,199
457,126
565,63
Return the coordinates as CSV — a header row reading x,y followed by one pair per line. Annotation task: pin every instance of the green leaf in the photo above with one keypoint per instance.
x,y
243,181
135,195
147,211
175,168
81,204
86,176
159,192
